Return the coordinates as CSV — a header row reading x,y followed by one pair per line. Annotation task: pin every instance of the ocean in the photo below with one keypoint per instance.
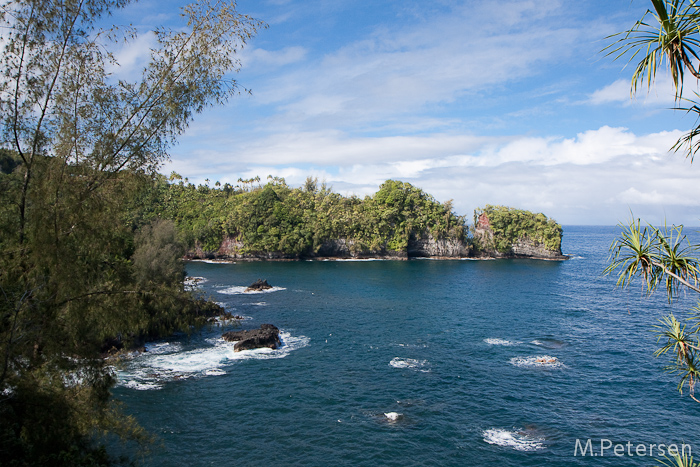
x,y
420,362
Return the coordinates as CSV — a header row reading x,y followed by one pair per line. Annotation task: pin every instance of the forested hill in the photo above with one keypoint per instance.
x,y
274,220
297,222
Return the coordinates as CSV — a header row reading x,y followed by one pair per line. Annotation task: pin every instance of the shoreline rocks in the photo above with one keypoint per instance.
x,y
267,335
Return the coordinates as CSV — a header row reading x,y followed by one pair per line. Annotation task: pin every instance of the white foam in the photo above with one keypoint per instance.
x,y
393,416
213,261
156,348
546,361
413,364
354,260
192,283
141,386
237,290
518,440
497,341
151,370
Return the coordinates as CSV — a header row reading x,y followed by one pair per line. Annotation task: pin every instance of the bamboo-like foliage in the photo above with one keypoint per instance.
x,y
76,145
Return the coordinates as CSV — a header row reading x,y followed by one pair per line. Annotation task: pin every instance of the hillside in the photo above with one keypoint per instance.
x,y
275,221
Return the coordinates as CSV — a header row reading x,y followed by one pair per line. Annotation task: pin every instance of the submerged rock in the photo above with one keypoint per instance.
x,y
267,336
258,285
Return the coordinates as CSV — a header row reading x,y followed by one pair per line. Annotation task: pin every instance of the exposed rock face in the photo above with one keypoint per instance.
x,y
267,336
258,285
527,248
523,247
340,248
421,245
431,247
346,248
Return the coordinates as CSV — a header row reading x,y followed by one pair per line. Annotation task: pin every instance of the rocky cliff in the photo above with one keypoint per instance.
x,y
522,246
488,241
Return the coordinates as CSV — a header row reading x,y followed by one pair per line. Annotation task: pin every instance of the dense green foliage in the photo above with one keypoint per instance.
x,y
296,222
78,268
509,225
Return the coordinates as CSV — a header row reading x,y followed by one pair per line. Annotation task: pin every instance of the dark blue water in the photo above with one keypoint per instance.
x,y
451,346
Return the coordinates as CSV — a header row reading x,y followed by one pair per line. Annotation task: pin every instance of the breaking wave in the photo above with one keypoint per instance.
x,y
537,361
237,290
497,341
165,362
410,363
516,439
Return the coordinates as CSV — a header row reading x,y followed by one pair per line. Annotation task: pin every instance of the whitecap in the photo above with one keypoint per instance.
x,y
516,439
549,343
237,290
497,341
193,282
545,361
151,370
162,347
393,416
410,363
141,386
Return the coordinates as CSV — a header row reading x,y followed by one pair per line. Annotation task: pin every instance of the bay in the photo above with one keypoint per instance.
x,y
450,347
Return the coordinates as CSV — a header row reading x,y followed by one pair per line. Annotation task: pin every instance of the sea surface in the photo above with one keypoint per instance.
x,y
421,362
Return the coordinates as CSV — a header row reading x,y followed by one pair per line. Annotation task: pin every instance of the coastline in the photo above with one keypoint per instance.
x,y
252,259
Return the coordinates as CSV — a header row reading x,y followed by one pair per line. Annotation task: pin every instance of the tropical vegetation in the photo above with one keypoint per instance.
x,y
667,34
78,266
510,225
298,222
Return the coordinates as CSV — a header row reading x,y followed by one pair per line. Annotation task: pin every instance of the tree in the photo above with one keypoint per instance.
x,y
670,33
77,145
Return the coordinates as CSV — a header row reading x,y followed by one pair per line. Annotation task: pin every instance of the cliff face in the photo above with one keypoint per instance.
x,y
522,247
430,247
424,246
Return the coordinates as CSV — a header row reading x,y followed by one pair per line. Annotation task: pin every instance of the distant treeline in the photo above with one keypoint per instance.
x,y
275,217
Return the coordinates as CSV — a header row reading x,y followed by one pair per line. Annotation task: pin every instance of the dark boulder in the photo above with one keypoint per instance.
x,y
258,285
267,336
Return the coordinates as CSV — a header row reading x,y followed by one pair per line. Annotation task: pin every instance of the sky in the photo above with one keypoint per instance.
x,y
480,102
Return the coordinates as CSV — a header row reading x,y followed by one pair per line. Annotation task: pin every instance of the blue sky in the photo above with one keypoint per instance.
x,y
482,102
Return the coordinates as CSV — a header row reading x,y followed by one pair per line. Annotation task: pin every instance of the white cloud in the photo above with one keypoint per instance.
x,y
400,70
619,91
132,57
661,93
273,58
595,177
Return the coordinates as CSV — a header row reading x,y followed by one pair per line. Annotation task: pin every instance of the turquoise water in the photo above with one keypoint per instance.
x,y
450,346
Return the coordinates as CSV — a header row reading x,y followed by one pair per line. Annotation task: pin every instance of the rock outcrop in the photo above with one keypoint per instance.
x,y
517,234
266,336
258,285
523,247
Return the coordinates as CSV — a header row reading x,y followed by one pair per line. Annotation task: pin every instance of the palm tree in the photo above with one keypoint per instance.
x,y
667,35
